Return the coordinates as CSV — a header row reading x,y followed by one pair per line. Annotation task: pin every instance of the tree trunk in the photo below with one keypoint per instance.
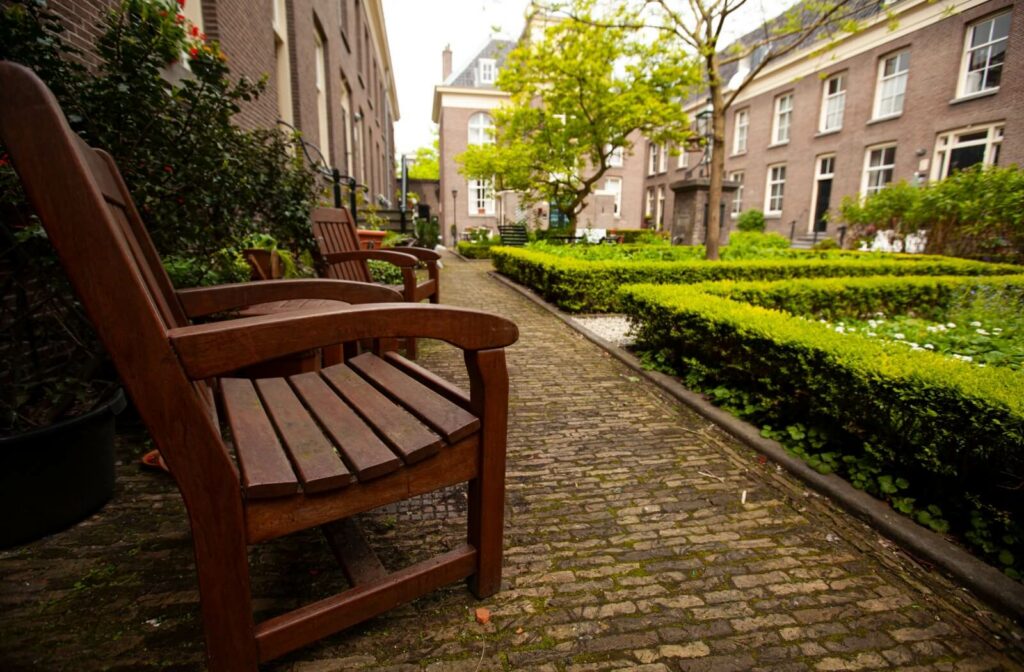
x,y
714,220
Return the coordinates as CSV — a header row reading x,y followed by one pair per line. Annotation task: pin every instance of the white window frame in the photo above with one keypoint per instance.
x,y
820,174
683,160
741,129
737,199
867,188
663,159
615,157
346,125
480,129
832,104
782,119
661,208
649,203
946,142
323,121
962,83
481,198
775,177
488,70
615,191
652,159
898,78
282,64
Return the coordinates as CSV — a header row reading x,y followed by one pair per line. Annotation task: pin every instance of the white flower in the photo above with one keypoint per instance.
x,y
929,346
982,332
951,325
871,333
879,314
872,324
975,324
898,337
997,330
840,329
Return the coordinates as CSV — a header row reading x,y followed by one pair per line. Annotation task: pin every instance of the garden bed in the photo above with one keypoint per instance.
x,y
579,284
940,438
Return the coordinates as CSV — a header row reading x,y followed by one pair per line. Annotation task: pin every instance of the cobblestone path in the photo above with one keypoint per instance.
x,y
629,545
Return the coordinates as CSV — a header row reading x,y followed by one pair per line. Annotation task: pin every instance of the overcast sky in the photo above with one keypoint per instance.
x,y
419,30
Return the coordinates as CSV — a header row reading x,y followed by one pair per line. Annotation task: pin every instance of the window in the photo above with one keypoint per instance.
x,y
984,53
481,129
833,102
346,126
283,67
683,160
878,166
739,140
487,70
615,158
967,147
783,117
613,185
660,218
892,85
649,203
663,159
775,190
652,164
481,197
323,138
737,198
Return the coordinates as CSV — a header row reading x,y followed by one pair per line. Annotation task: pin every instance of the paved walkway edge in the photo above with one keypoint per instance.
x,y
988,583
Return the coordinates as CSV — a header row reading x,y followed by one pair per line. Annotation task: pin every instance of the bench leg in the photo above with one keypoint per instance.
x,y
486,514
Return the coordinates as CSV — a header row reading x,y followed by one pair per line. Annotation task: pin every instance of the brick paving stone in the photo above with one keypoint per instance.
x,y
620,553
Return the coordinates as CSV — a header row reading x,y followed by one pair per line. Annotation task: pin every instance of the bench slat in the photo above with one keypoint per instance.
x,y
266,471
450,420
363,451
403,432
315,459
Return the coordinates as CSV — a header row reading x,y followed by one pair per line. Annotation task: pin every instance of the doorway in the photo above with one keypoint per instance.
x,y
824,174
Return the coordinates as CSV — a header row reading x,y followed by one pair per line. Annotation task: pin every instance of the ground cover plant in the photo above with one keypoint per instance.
x,y
586,278
941,438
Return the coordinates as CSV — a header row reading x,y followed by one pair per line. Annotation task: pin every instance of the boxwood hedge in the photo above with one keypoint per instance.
x,y
952,429
592,286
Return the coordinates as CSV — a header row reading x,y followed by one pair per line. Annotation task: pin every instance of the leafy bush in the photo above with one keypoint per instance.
x,y
826,244
591,286
751,220
749,244
471,250
940,439
383,272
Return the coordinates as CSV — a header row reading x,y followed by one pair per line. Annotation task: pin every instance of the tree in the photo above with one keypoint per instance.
x,y
576,96
697,30
424,164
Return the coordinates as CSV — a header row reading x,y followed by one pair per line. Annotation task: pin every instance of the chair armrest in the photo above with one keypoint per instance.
x,y
421,253
208,350
397,258
200,301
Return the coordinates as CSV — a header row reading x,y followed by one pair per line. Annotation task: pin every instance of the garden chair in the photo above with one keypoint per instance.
x,y
338,242
305,451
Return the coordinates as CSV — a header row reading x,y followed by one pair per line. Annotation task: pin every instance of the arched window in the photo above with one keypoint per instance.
x,y
481,129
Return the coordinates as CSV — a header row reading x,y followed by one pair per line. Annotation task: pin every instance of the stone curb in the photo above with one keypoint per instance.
x,y
988,583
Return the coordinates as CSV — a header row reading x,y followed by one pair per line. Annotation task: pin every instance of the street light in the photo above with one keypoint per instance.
x,y
455,228
705,129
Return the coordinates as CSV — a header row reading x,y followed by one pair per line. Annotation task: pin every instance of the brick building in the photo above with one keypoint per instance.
x,y
463,104
942,89
328,65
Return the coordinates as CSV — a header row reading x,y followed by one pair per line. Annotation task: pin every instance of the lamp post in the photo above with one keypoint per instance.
x,y
455,227
704,130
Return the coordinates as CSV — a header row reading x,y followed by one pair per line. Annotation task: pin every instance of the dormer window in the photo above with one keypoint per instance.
x,y
488,70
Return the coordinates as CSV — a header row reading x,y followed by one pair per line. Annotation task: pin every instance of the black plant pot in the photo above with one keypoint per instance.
x,y
53,477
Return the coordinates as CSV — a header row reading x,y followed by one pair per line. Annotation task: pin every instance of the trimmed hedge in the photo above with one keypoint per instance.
x,y
591,286
472,250
950,429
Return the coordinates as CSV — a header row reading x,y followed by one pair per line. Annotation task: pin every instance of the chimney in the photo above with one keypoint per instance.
x,y
446,62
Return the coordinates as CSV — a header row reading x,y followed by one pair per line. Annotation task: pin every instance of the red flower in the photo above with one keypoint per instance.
x,y
179,18
193,52
202,36
4,160
195,30
181,3
168,169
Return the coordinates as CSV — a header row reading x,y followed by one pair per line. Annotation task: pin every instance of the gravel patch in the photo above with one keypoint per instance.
x,y
612,328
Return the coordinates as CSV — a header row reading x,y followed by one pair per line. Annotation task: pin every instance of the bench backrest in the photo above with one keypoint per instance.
x,y
335,231
92,222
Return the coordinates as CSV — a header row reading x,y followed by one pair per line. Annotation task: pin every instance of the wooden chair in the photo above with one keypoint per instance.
x,y
400,430
338,242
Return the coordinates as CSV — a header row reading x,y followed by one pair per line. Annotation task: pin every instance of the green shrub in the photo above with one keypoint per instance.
x,y
591,286
751,220
826,244
471,250
382,271
754,244
941,439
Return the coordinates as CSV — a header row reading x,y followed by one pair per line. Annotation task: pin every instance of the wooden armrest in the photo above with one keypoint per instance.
x,y
200,301
397,258
208,350
421,253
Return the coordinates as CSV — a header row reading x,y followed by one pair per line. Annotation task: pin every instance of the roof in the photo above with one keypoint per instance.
x,y
466,78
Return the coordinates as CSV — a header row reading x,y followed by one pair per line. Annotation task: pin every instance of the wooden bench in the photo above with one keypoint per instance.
x,y
308,450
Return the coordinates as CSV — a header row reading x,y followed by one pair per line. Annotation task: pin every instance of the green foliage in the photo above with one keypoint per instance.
x,y
428,232
977,212
576,94
425,164
751,220
580,285
383,272
826,244
476,249
755,244
939,438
